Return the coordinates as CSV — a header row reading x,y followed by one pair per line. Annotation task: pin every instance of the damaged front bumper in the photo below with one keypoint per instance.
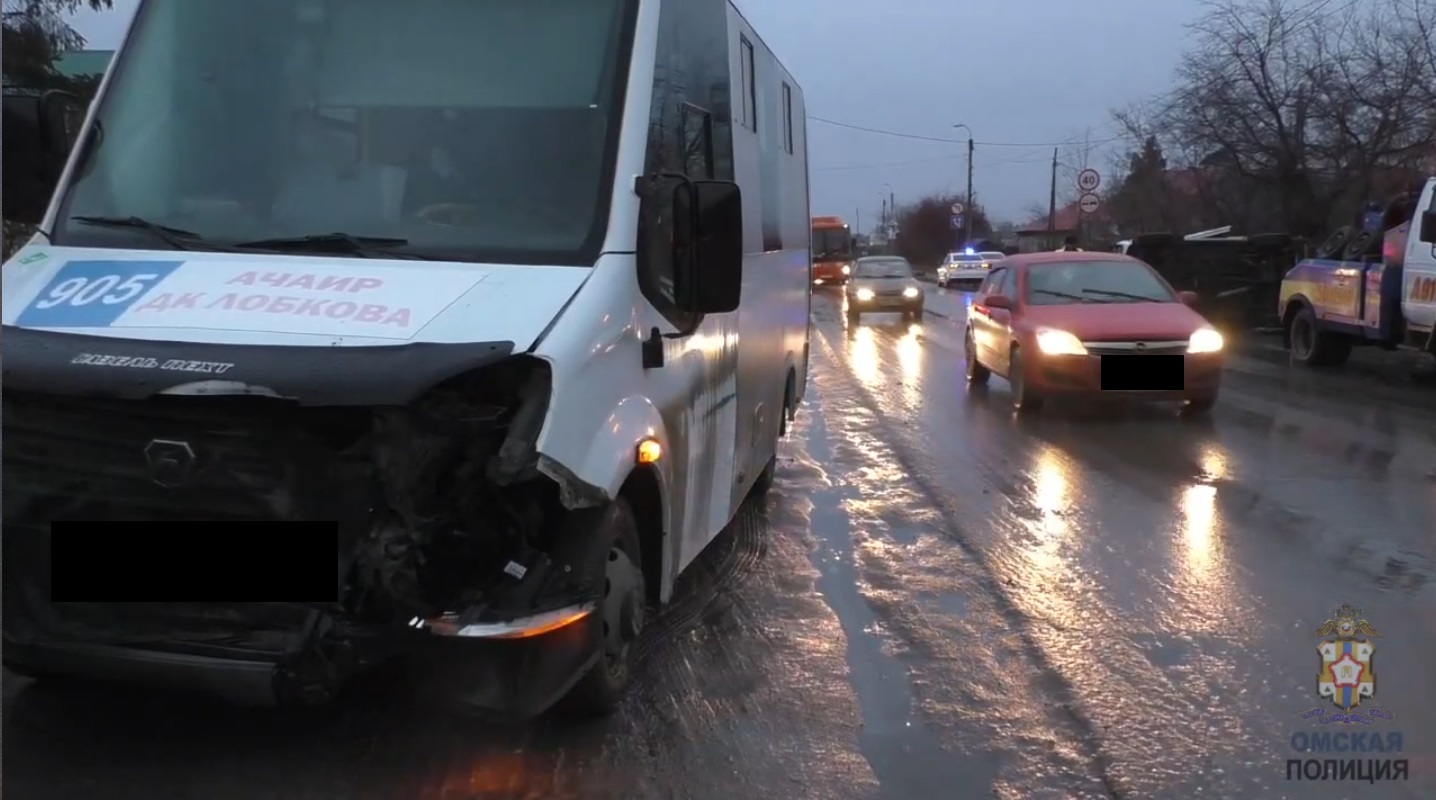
x,y
517,669
434,511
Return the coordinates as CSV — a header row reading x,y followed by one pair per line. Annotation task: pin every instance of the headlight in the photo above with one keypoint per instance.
x,y
847,270
1059,343
865,294
1206,340
910,291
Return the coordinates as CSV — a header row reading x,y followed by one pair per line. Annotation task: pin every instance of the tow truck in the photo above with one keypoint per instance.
x,y
1368,289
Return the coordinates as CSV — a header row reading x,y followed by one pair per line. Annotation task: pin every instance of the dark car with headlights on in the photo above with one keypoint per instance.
x,y
1069,324
884,284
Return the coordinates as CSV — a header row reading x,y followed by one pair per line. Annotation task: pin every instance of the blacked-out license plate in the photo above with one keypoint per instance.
x,y
1133,373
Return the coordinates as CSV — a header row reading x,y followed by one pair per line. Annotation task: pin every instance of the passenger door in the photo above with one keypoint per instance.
x,y
1001,321
980,317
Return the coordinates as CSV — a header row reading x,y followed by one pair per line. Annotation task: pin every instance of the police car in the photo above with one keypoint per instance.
x,y
966,270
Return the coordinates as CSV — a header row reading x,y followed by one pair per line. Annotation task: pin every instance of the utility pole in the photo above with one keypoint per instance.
x,y
971,209
858,220
1052,202
883,218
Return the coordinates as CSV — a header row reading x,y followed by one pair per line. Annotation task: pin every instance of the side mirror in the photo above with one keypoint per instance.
x,y
1189,298
39,133
1428,227
998,301
690,244
61,115
717,245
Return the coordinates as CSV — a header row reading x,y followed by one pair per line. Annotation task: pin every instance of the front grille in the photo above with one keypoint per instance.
x,y
1132,348
84,459
245,459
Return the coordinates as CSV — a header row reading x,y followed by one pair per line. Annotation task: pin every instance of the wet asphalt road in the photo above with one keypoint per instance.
x,y
936,601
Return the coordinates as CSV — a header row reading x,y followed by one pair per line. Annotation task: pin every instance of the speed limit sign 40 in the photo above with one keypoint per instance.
x,y
1088,180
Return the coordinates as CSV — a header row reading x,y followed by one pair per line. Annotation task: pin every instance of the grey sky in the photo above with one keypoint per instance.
x,y
1015,71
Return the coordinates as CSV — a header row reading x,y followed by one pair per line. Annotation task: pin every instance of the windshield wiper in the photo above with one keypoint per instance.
x,y
177,238
1065,295
1124,295
367,246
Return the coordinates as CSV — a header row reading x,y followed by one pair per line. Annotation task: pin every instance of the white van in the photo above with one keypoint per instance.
x,y
472,286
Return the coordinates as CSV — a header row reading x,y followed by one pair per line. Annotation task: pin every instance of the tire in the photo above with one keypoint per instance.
x,y
788,392
1314,347
764,483
1363,244
917,313
854,317
1335,244
1024,400
1199,406
977,375
612,571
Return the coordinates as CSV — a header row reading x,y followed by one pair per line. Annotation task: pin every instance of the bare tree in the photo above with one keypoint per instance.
x,y
1034,213
1303,108
925,234
1081,153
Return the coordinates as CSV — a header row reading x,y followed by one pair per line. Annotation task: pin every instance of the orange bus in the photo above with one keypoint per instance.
x,y
832,251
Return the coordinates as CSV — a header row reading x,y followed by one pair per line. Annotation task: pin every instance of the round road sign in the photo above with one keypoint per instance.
x,y
1088,180
958,208
1088,203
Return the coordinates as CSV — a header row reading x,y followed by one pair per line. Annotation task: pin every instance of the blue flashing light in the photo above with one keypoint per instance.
x,y
971,252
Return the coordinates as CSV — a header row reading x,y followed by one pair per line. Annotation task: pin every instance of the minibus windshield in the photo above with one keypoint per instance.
x,y
474,130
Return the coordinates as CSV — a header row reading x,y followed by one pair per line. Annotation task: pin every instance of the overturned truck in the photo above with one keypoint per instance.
x,y
1236,278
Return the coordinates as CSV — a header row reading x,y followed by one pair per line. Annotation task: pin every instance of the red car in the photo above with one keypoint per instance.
x,y
1096,324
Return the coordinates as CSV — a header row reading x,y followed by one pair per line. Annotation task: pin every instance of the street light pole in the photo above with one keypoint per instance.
x,y
967,218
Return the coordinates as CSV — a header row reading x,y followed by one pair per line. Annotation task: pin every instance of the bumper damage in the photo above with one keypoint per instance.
x,y
449,554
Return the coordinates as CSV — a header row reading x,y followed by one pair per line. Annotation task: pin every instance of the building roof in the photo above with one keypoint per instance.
x,y
1182,180
1067,219
82,63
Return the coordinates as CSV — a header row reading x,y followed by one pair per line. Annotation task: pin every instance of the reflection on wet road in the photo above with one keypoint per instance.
x,y
938,600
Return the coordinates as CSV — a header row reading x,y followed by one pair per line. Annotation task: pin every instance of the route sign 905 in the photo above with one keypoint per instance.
x,y
93,294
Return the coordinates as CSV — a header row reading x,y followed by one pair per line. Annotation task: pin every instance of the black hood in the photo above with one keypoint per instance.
x,y
76,364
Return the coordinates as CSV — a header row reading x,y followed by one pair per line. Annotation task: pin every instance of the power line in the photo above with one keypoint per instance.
x,y
1072,141
846,167
982,162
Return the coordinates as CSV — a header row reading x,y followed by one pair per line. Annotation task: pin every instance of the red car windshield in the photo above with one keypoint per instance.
x,y
1066,282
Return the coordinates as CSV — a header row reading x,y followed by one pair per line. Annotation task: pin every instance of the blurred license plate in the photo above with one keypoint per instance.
x,y
1132,373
